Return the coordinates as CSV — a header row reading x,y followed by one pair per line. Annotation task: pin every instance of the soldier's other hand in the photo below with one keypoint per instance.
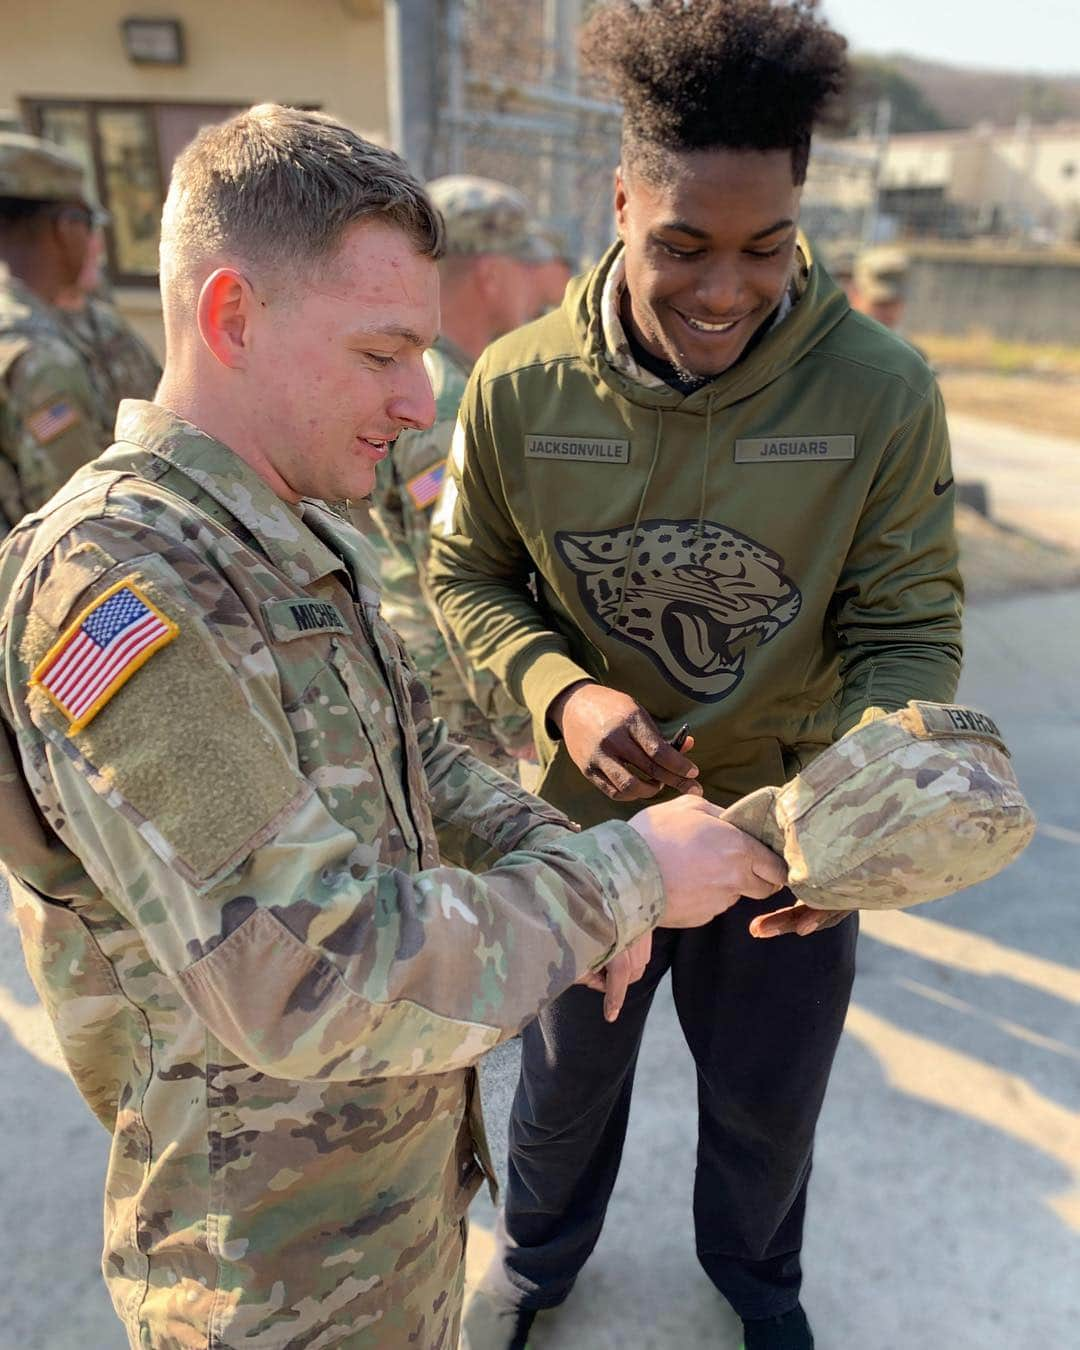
x,y
705,862
797,918
618,746
623,970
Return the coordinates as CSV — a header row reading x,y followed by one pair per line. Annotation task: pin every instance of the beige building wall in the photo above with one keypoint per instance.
x,y
925,161
1031,174
323,53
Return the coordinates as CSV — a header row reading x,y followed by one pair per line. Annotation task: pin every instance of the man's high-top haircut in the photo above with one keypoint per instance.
x,y
276,188
715,75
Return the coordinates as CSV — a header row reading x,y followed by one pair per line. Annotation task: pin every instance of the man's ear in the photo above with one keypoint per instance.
x,y
224,313
620,202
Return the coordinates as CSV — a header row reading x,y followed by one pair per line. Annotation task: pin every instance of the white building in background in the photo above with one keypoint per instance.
x,y
1022,181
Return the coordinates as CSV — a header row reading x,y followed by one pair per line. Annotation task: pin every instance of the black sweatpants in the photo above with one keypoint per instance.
x,y
762,1020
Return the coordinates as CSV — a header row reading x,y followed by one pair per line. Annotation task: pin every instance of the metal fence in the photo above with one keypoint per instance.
x,y
493,87
511,108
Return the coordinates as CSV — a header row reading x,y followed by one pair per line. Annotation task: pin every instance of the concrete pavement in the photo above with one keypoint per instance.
x,y
945,1203
945,1207
1033,478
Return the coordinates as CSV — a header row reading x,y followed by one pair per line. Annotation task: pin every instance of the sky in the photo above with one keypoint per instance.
x,y
1035,35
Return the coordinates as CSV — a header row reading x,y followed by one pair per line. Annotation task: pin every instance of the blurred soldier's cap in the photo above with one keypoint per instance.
x,y
840,262
483,216
906,808
881,274
35,170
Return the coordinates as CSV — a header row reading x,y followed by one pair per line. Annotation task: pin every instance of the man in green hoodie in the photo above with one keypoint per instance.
x,y
736,496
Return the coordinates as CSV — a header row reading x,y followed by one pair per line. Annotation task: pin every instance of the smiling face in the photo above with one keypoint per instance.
x,y
708,252
336,362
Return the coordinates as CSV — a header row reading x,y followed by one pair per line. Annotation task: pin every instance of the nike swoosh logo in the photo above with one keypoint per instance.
x,y
939,488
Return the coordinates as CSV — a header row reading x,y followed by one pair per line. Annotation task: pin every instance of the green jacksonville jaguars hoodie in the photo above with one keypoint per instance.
x,y
762,558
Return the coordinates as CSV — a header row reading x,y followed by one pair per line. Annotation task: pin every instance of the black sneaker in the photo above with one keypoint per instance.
x,y
491,1324
789,1331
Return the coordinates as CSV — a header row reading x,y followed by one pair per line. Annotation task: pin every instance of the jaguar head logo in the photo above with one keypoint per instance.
x,y
695,599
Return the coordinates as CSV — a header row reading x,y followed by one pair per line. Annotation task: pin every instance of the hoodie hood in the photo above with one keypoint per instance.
x,y
818,310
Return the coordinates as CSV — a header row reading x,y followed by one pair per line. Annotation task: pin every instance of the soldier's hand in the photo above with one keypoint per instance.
x,y
797,918
618,746
619,974
706,863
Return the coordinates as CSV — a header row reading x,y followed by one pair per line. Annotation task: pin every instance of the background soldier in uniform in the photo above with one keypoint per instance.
x,y
120,362
736,497
239,847
879,284
59,388
499,271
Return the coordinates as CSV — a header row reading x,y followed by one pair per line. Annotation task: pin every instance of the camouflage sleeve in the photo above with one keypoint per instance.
x,y
900,594
47,426
465,791
186,800
479,566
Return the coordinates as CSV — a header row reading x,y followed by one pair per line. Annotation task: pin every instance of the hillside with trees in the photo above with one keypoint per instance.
x,y
929,96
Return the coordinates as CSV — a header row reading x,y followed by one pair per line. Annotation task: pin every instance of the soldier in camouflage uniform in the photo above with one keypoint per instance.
x,y
61,376
241,850
120,362
495,259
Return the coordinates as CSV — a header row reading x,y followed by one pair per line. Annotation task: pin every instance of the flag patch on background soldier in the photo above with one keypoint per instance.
x,y
48,422
100,651
424,488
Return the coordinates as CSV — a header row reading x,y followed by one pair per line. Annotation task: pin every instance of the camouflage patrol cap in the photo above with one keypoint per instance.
x,y
841,263
907,808
35,170
483,216
881,274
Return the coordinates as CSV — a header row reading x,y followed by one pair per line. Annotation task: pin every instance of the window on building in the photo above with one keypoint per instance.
x,y
128,151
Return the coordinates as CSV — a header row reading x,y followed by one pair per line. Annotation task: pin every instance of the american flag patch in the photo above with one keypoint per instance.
x,y
100,651
47,423
424,488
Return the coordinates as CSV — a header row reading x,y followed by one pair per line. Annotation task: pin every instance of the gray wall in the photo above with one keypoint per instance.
x,y
1026,298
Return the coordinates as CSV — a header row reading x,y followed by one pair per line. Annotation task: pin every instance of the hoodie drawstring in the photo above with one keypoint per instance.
x,y
631,552
703,496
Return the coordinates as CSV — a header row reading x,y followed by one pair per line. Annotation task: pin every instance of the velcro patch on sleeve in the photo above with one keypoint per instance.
x,y
100,651
425,487
204,771
53,420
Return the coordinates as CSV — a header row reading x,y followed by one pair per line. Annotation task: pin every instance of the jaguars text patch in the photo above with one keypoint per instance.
x,y
288,619
100,652
587,449
793,449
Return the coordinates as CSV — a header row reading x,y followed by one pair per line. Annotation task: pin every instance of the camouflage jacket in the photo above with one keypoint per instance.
x,y
406,489
238,860
52,418
119,362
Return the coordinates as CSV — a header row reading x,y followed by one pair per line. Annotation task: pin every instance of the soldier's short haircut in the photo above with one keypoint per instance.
x,y
715,74
277,187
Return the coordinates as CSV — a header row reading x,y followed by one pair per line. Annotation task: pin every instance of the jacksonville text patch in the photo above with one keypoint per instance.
x,y
793,449
590,449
